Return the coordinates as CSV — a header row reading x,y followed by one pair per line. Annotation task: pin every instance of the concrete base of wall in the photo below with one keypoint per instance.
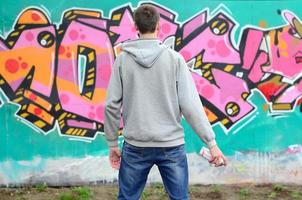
x,y
248,167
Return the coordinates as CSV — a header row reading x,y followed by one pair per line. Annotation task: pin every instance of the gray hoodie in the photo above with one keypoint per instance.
x,y
153,86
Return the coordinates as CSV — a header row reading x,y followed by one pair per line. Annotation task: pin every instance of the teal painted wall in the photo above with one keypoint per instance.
x,y
260,128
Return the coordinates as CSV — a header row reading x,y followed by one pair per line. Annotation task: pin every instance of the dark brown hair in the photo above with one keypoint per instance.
x,y
146,18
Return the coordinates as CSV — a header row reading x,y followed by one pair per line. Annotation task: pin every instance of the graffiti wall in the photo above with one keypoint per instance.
x,y
55,65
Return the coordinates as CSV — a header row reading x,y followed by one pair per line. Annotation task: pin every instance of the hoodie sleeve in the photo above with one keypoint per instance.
x,y
191,106
113,105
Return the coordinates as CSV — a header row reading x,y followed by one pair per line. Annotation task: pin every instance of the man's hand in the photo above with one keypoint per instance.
x,y
217,157
115,157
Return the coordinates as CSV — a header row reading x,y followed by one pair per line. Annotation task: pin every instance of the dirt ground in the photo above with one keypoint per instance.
x,y
154,192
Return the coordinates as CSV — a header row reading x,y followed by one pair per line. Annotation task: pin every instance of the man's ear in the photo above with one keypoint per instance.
x,y
136,28
157,26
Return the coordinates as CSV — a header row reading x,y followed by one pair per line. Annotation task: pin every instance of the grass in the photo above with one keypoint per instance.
x,y
295,195
67,196
160,190
82,192
216,189
193,190
115,195
278,188
215,192
77,193
272,195
145,195
244,192
158,187
156,191
42,187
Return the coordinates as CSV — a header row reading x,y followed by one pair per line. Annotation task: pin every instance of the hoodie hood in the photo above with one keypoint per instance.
x,y
144,51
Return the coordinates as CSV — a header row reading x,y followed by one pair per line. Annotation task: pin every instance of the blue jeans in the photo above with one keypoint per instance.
x,y
136,163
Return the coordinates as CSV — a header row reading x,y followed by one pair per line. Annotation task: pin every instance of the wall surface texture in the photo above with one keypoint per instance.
x,y
55,64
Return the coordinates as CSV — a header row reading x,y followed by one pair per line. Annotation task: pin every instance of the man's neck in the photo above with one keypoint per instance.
x,y
148,36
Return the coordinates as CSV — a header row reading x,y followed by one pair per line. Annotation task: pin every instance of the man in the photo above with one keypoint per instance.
x,y
155,88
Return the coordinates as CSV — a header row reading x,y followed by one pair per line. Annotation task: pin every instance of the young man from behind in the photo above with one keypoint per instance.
x,y
155,88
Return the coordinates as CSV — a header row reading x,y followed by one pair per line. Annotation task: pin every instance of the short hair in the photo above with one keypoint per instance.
x,y
146,18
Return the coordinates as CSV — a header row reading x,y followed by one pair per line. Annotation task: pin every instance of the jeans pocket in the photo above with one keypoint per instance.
x,y
175,154
132,153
